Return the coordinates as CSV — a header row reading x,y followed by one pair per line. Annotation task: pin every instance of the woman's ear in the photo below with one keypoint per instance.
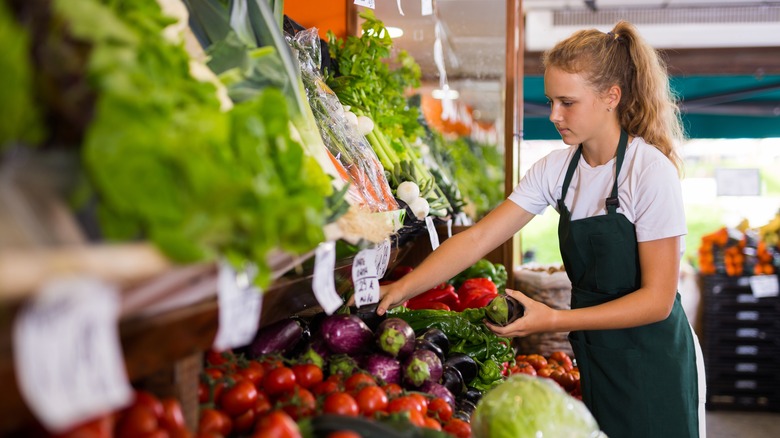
x,y
612,97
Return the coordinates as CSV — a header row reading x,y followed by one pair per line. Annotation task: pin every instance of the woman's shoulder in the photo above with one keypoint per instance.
x,y
645,156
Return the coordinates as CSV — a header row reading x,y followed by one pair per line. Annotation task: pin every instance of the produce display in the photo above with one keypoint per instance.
x,y
200,127
741,251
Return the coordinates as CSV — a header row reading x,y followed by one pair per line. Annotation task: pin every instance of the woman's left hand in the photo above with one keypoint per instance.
x,y
537,318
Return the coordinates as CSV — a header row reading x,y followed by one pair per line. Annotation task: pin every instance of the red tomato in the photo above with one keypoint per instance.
x,y
277,424
458,428
562,359
244,422
239,398
262,405
343,434
270,362
324,388
564,378
217,358
523,367
439,408
357,381
137,421
337,378
101,427
298,403
172,418
371,399
278,381
145,398
212,420
536,360
307,374
422,400
253,372
547,370
416,418
432,423
393,390
340,403
404,404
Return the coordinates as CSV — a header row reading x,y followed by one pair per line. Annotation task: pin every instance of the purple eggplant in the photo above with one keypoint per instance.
x,y
452,380
280,337
383,367
421,366
438,391
346,334
424,344
395,337
439,338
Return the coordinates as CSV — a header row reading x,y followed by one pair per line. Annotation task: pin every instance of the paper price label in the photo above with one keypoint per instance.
x,y
366,3
323,284
432,233
764,286
426,7
449,228
67,355
240,304
382,258
364,278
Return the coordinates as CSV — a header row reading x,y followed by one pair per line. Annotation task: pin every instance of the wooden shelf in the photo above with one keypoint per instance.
x,y
172,317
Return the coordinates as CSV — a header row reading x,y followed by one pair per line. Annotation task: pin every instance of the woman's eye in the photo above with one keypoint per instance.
x,y
567,103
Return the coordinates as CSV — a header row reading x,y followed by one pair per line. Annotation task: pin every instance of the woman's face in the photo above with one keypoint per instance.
x,y
578,112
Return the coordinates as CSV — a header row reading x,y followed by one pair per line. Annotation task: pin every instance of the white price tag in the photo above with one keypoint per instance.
x,y
764,286
432,233
382,257
240,303
366,3
449,228
67,355
364,278
323,284
426,7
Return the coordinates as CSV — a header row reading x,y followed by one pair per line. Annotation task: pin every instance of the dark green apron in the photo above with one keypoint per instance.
x,y
637,382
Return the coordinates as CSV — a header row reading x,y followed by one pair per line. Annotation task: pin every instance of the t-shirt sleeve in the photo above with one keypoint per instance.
x,y
659,210
530,192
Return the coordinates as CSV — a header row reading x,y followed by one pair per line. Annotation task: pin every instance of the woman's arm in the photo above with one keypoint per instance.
x,y
456,254
659,262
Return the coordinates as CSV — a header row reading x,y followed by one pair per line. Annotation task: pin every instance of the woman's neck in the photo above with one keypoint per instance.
x,y
599,151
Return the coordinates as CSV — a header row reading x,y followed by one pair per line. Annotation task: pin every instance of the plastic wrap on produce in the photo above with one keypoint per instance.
x,y
350,151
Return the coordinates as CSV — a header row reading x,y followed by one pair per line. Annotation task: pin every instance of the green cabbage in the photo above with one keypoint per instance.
x,y
528,406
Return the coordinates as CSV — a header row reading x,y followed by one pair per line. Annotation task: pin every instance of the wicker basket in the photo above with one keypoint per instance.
x,y
551,286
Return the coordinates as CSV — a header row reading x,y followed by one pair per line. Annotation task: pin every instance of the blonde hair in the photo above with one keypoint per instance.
x,y
648,107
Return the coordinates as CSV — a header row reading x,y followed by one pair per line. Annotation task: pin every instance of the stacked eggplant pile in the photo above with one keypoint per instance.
x,y
385,347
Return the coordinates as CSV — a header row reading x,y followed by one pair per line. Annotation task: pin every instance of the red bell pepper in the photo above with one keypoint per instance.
x,y
443,293
476,292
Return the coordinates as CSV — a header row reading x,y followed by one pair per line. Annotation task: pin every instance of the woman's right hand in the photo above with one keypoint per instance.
x,y
390,295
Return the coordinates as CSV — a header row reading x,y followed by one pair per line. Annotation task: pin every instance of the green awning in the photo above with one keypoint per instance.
x,y
712,106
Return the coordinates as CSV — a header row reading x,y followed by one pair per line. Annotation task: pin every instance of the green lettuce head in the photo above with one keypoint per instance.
x,y
526,406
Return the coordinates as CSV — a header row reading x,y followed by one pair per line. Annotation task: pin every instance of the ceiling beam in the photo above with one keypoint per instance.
x,y
690,62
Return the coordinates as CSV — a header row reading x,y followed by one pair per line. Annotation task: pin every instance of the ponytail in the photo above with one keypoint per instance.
x,y
621,57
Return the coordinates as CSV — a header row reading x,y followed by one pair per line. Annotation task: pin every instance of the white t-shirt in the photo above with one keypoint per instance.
x,y
648,189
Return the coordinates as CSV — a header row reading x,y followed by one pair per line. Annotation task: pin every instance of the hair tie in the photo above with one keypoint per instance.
x,y
613,36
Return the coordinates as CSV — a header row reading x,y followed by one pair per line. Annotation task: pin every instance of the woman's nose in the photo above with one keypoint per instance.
x,y
555,115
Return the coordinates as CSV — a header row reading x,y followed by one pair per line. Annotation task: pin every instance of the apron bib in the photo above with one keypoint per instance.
x,y
640,381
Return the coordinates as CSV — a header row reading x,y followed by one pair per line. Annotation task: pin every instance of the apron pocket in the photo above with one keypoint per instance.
x,y
615,268
613,383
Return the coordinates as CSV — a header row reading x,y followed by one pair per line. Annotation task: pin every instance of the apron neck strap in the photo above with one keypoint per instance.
x,y
612,202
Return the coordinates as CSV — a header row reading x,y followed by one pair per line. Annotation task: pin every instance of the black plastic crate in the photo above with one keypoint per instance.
x,y
742,402
742,367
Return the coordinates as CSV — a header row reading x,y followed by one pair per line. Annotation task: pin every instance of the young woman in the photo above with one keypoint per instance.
x,y
621,226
